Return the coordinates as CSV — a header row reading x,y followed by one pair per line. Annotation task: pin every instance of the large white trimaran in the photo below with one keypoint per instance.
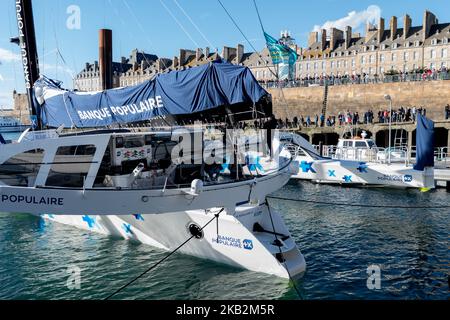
x,y
130,184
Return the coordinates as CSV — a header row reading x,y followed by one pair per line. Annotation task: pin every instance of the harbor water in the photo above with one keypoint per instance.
x,y
38,258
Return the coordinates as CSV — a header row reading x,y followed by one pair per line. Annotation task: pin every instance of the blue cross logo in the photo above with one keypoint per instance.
x,y
332,173
362,167
347,179
408,178
33,120
127,228
139,217
248,244
307,166
253,163
226,165
90,221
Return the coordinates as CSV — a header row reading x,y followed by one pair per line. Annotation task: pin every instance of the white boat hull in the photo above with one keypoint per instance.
x,y
348,172
238,246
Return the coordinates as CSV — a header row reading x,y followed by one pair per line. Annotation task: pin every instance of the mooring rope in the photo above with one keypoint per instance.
x,y
216,216
342,204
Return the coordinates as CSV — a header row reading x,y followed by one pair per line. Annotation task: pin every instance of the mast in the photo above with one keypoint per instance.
x,y
28,51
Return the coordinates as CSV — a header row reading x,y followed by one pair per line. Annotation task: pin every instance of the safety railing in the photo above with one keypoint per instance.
x,y
346,80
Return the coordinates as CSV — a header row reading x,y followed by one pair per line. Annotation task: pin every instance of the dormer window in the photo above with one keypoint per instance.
x,y
417,43
407,44
394,46
434,42
383,47
445,40
372,47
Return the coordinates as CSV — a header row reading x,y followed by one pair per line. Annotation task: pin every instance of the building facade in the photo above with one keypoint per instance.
x,y
380,51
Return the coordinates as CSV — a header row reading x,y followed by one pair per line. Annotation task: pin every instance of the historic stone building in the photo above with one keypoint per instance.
x,y
380,50
141,67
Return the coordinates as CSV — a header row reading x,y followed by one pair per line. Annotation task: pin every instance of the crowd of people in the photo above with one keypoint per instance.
x,y
400,115
392,76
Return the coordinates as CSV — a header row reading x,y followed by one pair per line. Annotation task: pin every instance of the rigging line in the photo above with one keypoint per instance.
x,y
245,37
281,252
340,204
143,31
13,65
259,16
193,23
216,216
179,24
277,75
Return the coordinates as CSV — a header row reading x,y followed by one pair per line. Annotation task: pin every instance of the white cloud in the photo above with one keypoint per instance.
x,y
354,19
8,56
1,77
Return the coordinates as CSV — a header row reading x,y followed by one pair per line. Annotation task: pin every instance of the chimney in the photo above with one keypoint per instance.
x,y
228,53
88,65
207,52
429,19
336,35
95,66
313,37
380,34
198,54
176,63
323,39
105,57
406,26
348,37
182,57
123,60
239,53
393,27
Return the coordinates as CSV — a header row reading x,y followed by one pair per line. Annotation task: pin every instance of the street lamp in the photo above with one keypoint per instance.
x,y
388,97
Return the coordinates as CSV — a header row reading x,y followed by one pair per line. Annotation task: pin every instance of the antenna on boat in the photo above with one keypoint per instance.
x,y
29,55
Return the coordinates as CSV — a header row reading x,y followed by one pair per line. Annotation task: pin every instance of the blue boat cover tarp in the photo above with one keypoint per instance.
x,y
171,94
425,143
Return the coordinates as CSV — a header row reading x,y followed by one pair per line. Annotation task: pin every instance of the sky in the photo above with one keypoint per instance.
x,y
67,30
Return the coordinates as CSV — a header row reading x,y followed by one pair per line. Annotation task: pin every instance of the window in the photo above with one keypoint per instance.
x,y
323,65
381,70
434,42
316,65
382,58
433,54
405,56
307,66
394,57
339,64
332,64
372,58
370,70
71,166
417,43
345,63
22,169
353,63
416,55
360,144
363,60
444,53
394,46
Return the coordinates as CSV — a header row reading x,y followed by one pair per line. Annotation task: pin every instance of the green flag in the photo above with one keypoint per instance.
x,y
279,52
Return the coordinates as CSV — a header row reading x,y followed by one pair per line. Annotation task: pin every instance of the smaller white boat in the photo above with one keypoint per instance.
x,y
356,162
11,124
